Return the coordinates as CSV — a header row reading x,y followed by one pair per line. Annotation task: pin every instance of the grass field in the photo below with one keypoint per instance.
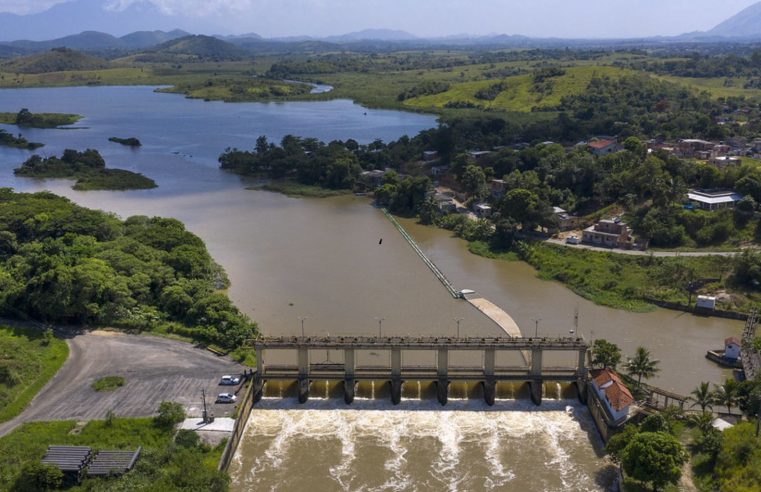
x,y
716,86
162,465
28,359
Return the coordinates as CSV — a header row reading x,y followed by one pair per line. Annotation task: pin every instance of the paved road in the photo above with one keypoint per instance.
x,y
154,369
661,254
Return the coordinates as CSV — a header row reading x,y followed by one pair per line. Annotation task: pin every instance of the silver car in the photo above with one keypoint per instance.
x,y
226,398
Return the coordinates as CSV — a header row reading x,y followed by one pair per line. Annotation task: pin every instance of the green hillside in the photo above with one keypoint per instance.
x,y
189,49
55,60
521,93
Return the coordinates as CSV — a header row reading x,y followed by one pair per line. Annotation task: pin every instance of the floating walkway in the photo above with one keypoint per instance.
x,y
496,314
439,275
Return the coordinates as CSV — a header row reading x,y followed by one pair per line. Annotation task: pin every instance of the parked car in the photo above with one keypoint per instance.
x,y
572,240
229,381
226,398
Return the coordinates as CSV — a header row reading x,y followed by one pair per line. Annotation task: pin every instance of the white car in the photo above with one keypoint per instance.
x,y
226,398
572,240
229,381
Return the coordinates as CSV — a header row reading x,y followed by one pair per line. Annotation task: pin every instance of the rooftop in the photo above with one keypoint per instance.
x,y
601,144
714,196
616,392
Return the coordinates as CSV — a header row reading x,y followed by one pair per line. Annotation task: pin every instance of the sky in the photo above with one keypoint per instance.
x,y
430,18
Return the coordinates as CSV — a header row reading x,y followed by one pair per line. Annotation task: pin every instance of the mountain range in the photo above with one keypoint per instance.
x,y
140,17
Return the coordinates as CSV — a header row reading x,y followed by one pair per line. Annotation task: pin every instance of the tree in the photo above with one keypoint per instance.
x,y
169,414
654,457
726,394
702,397
642,365
618,442
605,354
474,181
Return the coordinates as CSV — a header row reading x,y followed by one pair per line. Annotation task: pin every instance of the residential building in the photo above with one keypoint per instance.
x,y
604,147
713,199
609,234
445,202
483,210
430,155
613,394
498,187
566,221
723,161
692,147
478,156
373,178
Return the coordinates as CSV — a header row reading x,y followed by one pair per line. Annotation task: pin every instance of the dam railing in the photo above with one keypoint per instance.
x,y
749,355
430,264
442,372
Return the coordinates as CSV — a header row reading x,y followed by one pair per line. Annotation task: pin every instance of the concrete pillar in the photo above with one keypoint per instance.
x,y
581,390
259,361
349,365
489,362
442,390
349,390
582,367
490,391
303,362
303,374
396,363
536,391
303,390
258,390
396,390
536,362
442,363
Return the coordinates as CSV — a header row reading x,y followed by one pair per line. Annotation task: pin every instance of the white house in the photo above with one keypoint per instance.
x,y
732,348
482,210
613,393
713,199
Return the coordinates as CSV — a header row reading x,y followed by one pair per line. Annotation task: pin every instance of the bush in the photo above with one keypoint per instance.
x,y
108,383
187,438
169,414
36,476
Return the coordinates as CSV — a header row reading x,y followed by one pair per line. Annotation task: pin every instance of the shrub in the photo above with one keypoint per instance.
x,y
169,414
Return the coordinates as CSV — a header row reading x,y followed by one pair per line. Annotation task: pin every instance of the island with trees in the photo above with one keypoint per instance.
x,y
129,142
88,169
19,142
26,118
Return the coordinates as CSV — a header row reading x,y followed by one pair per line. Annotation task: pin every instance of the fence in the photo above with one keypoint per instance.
x,y
244,411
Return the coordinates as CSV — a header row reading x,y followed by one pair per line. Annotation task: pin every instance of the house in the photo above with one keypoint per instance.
x,y
373,178
445,202
713,199
478,156
613,394
723,161
483,210
732,348
604,147
430,155
439,170
566,221
498,187
609,234
693,147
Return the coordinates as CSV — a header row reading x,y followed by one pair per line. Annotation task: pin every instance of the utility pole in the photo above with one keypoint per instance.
x,y
536,326
380,326
302,318
205,412
457,320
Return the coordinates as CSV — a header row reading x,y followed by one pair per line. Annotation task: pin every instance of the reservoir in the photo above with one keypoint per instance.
x,y
320,259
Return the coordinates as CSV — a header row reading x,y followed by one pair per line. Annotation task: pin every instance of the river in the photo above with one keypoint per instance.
x,y
321,259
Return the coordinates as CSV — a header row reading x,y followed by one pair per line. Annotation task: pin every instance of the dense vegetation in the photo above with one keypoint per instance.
x,y
130,142
8,140
28,359
88,168
55,60
25,118
166,462
63,263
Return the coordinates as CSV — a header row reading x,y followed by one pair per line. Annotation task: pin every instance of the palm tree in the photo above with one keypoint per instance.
x,y
642,365
726,394
702,396
703,421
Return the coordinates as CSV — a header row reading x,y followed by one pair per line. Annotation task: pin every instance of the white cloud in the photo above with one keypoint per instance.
x,y
24,7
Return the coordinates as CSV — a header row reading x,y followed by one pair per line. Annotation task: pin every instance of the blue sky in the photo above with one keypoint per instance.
x,y
561,18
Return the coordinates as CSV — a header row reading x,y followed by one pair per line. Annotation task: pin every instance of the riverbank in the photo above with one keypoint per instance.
x,y
298,190
38,120
632,283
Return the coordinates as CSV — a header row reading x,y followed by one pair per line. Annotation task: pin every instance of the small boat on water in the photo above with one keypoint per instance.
x,y
730,356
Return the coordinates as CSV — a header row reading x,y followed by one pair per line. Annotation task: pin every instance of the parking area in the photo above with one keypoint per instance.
x,y
154,369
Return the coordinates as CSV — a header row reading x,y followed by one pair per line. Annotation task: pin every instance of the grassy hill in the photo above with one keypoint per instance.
x,y
521,93
190,49
55,60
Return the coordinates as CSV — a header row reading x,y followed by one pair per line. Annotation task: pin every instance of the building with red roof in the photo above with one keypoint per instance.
x,y
613,394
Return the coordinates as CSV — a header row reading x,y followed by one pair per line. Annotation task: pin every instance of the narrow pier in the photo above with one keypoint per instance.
x,y
500,318
438,273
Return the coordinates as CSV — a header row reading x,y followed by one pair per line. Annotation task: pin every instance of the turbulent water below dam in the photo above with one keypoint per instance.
x,y
372,445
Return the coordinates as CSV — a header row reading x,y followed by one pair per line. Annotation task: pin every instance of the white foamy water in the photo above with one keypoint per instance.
x,y
372,445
